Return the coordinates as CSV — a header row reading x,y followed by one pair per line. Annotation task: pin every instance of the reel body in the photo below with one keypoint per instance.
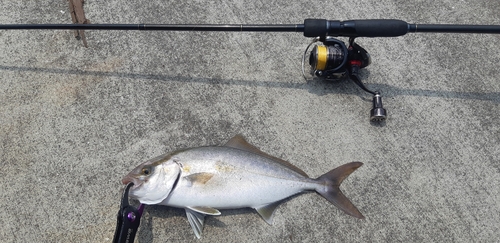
x,y
330,59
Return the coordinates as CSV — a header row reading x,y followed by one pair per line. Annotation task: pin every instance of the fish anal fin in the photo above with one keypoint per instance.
x,y
267,211
204,210
196,220
239,142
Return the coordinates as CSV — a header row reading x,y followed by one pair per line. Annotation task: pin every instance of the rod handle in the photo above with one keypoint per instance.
x,y
379,27
355,28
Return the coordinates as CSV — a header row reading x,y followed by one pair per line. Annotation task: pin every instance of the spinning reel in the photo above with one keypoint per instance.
x,y
332,60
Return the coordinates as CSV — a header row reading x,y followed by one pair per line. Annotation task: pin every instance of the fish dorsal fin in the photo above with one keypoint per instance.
x,y
196,220
205,210
239,142
267,211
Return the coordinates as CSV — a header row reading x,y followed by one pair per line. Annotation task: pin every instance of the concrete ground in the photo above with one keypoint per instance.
x,y
75,120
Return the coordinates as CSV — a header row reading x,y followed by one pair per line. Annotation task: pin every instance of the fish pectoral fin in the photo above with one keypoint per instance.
x,y
205,210
196,220
199,178
267,211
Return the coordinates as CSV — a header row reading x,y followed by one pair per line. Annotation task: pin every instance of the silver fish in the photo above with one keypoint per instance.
x,y
237,175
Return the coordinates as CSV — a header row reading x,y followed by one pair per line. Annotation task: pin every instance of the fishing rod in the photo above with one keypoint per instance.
x,y
328,58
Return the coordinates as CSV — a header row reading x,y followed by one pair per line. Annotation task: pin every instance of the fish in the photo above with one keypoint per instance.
x,y
207,179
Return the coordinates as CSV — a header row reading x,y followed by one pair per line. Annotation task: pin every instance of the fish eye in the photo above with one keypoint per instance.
x,y
146,171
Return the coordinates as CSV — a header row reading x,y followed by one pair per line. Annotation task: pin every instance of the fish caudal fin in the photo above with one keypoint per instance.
x,y
331,190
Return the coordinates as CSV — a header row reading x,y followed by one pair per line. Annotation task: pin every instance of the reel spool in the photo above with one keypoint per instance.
x,y
326,60
330,59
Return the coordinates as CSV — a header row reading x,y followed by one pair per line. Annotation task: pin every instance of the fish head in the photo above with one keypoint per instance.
x,y
153,180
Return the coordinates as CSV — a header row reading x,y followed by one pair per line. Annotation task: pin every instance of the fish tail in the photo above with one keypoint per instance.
x,y
331,191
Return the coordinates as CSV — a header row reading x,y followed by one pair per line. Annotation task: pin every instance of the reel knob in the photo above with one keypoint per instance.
x,y
377,113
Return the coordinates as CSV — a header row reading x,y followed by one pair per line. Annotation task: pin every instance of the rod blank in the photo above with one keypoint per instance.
x,y
310,28
164,27
453,28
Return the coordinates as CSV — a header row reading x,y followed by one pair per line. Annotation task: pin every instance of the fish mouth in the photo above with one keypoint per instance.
x,y
129,179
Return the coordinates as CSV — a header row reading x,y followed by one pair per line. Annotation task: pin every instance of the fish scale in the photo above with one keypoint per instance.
x,y
252,181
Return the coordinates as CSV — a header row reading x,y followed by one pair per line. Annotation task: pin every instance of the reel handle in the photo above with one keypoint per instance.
x,y
355,28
